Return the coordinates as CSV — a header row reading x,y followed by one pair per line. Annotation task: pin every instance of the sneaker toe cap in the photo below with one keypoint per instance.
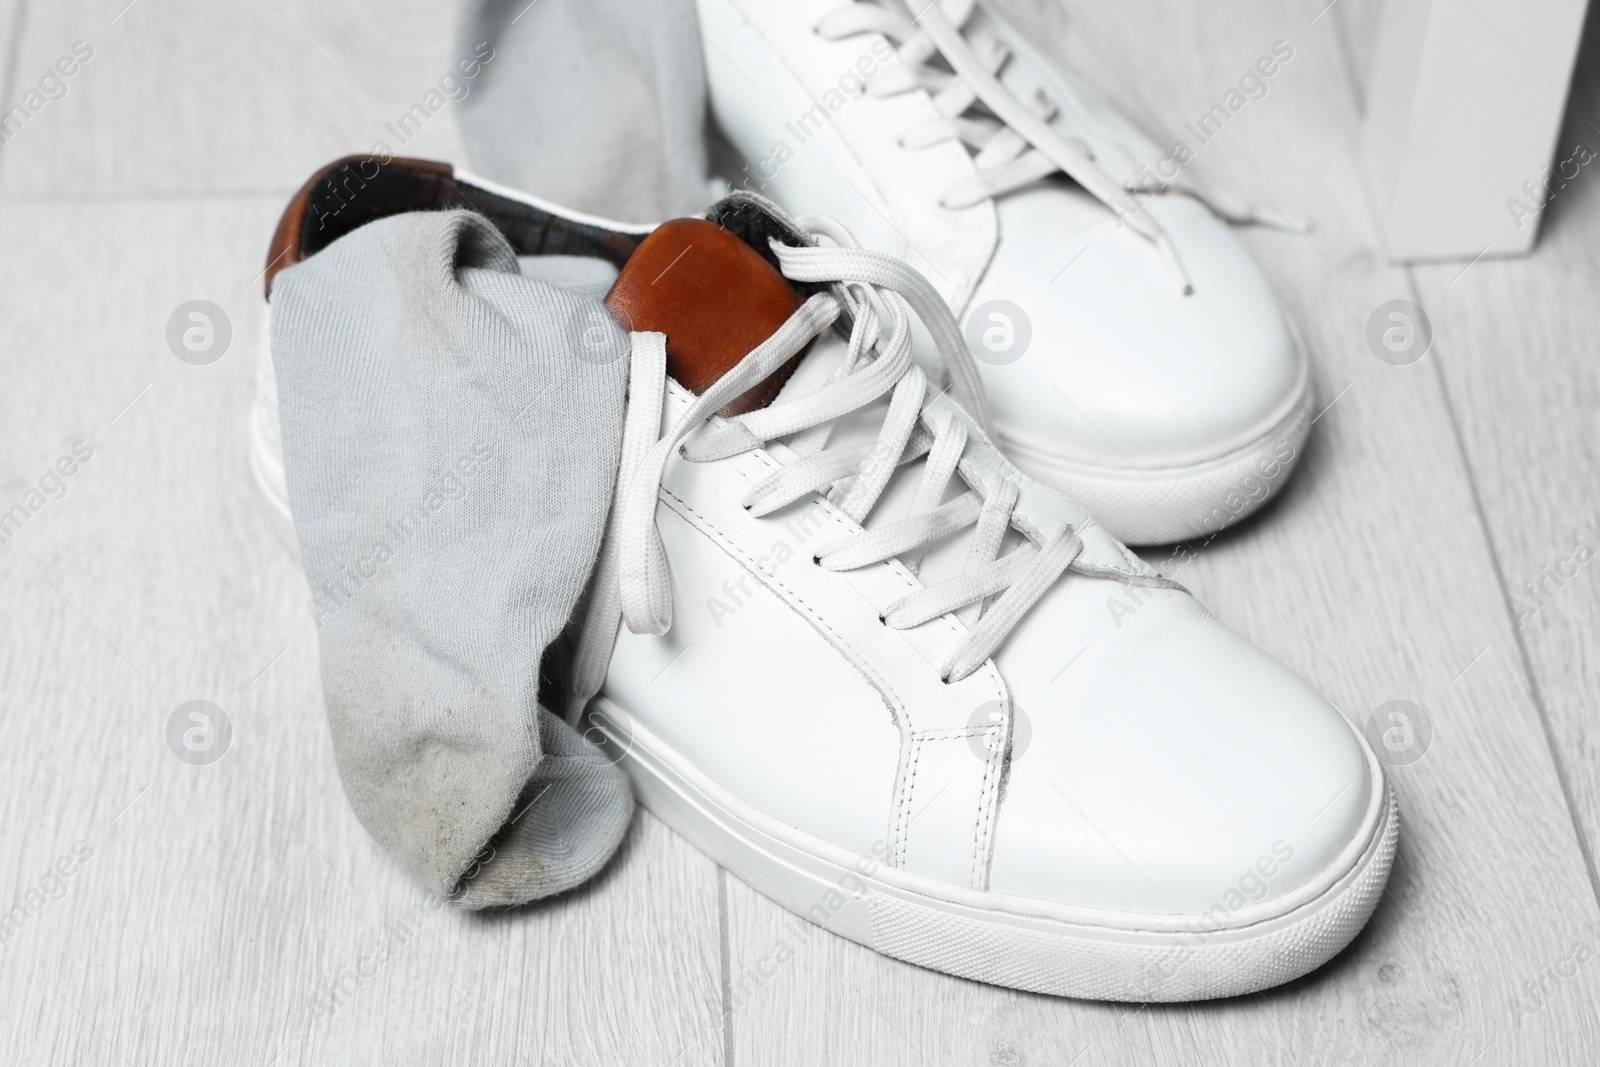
x,y
1175,769
1121,369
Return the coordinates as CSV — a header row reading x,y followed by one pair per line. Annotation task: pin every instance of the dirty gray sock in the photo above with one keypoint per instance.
x,y
598,105
451,434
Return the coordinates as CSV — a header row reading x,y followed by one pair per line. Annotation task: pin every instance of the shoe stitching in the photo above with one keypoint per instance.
x,y
900,813
901,828
845,526
983,830
810,614
906,776
986,801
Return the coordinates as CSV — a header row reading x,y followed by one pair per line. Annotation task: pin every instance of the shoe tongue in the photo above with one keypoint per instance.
x,y
715,297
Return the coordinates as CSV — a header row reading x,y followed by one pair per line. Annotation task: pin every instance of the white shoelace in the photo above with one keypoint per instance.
x,y
1013,142
633,580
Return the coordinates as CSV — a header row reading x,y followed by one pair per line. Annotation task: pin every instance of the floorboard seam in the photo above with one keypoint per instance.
x,y
149,196
1341,33
727,971
19,23
1534,689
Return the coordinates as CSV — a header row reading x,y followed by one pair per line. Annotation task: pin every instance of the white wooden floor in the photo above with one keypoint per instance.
x,y
211,912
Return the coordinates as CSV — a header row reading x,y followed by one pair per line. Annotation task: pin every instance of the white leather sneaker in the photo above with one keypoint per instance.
x,y
892,682
1134,353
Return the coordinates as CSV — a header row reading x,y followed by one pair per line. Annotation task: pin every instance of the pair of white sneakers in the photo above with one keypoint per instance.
x,y
852,632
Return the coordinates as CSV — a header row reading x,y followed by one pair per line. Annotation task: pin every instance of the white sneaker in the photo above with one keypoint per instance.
x,y
900,687
1134,353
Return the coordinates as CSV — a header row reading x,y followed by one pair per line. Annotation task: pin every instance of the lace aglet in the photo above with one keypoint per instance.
x,y
1174,265
1140,221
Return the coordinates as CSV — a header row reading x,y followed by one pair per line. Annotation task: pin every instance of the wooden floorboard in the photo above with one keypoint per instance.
x,y
241,96
1517,357
218,906
1358,22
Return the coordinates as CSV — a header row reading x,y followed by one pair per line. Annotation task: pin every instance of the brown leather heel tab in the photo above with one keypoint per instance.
x,y
714,296
351,192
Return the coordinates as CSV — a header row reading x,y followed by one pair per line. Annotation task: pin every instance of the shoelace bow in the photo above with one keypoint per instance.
x,y
1013,141
633,580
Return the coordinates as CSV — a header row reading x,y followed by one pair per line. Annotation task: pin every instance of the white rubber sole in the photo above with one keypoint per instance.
x,y
268,473
1164,505
1017,942
266,439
